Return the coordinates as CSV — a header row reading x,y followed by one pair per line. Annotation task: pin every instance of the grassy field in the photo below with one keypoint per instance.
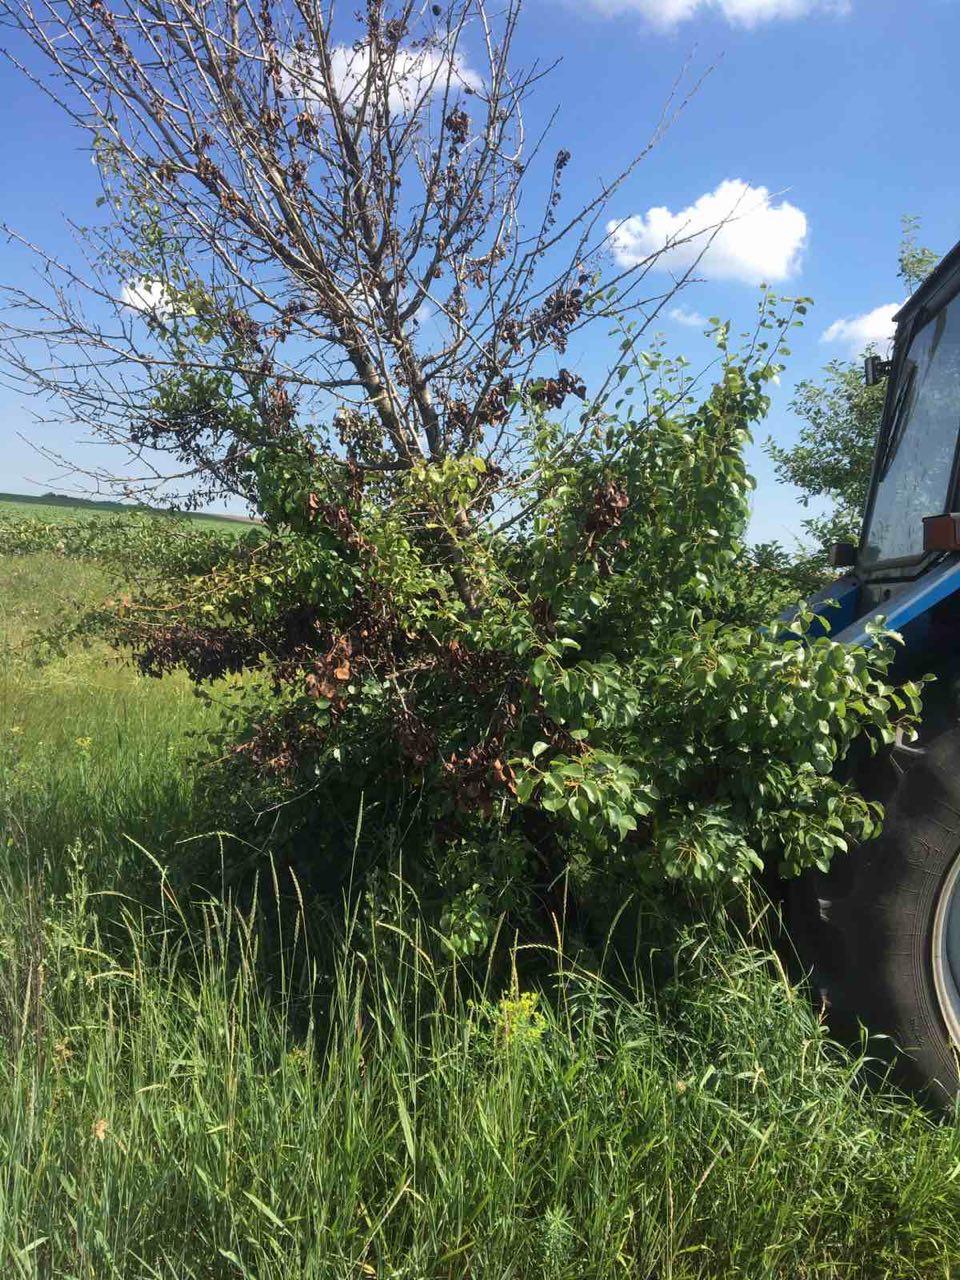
x,y
57,507
176,1108
89,751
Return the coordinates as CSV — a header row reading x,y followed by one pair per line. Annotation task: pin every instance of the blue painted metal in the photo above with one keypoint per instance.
x,y
907,608
835,606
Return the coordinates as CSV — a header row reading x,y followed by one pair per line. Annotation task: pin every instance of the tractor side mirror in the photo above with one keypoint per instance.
x,y
941,533
842,555
875,370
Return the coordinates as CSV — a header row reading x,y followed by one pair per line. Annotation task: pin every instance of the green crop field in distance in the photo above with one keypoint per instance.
x,y
51,506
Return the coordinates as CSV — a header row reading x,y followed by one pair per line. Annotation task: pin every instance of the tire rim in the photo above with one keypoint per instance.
x,y
946,952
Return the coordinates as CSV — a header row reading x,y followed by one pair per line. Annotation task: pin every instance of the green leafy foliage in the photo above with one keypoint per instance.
x,y
915,261
833,456
552,680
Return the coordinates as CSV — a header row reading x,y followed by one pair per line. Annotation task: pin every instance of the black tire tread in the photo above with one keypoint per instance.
x,y
863,930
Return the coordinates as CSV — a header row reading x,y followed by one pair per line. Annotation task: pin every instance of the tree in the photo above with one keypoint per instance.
x,y
318,219
833,455
506,628
915,262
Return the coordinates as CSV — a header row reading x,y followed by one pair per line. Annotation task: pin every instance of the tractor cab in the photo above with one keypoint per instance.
x,y
879,933
906,568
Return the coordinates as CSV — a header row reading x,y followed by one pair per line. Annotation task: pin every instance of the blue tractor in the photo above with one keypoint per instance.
x,y
880,933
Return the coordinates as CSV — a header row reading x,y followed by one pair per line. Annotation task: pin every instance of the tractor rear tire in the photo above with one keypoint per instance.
x,y
871,931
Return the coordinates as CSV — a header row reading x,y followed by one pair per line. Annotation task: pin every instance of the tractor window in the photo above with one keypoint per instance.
x,y
915,470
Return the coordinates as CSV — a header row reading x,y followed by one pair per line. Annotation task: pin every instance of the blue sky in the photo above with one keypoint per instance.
x,y
836,118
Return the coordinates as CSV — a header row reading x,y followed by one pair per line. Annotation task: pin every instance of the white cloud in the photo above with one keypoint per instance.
x,y
693,319
667,14
150,297
873,328
742,231
417,74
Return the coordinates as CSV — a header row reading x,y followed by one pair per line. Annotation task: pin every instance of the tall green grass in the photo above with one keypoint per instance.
x,y
162,1119
184,1094
88,750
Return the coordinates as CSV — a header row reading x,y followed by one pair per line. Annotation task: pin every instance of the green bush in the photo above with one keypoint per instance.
x,y
557,683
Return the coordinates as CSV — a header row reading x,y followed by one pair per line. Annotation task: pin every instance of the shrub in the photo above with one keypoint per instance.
x,y
552,684
520,630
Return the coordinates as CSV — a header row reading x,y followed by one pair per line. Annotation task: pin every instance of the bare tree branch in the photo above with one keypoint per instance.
x,y
313,227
